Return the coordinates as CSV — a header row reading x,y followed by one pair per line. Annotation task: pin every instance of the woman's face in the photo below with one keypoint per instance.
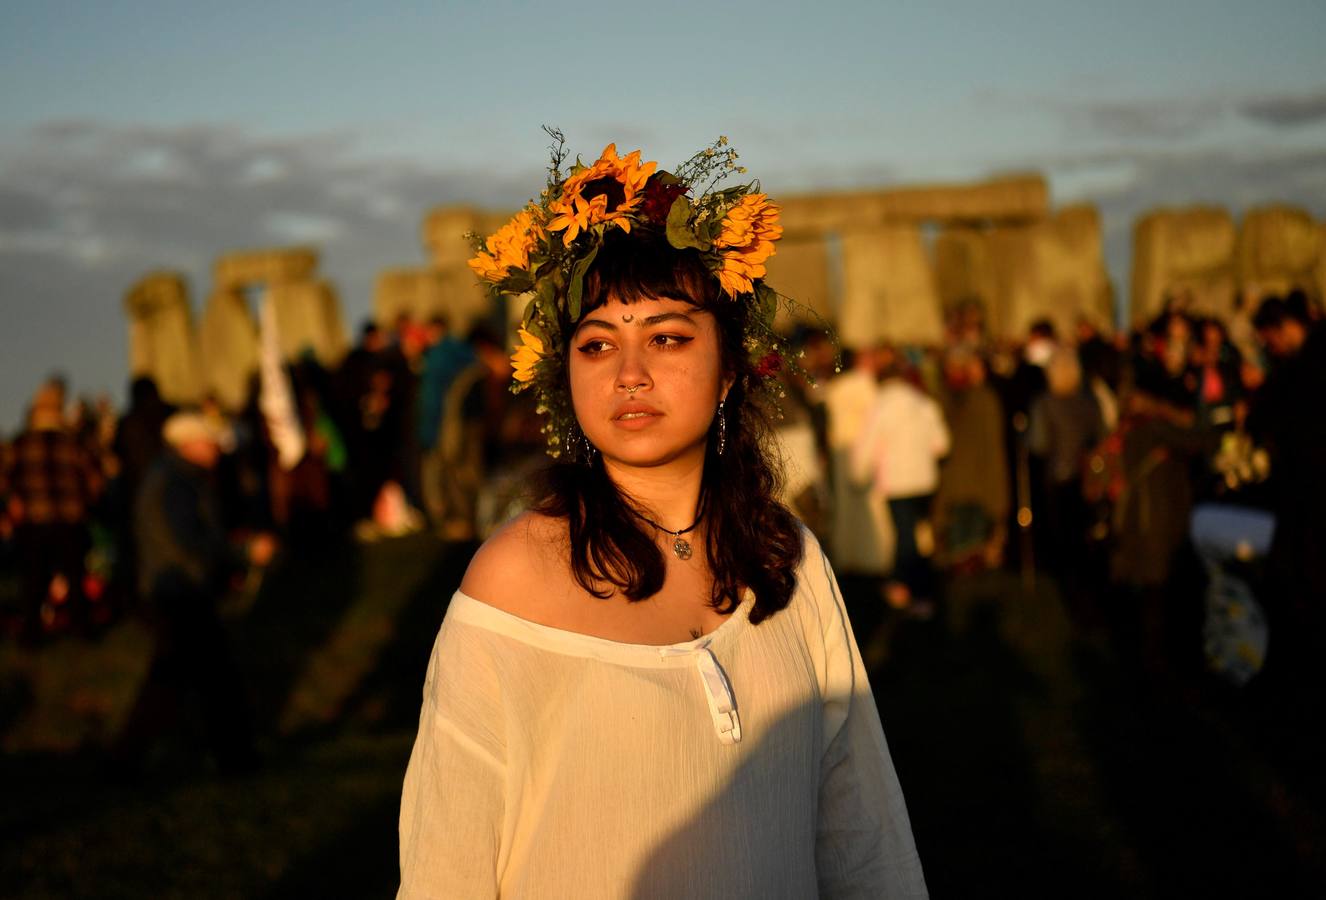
x,y
646,379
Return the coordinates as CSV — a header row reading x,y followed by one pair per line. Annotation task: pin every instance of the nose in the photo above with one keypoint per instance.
x,y
633,373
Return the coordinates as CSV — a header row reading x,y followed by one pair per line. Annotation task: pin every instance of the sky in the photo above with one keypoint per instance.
x,y
145,135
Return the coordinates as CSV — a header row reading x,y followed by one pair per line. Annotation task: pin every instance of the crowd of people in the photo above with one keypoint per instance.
x,y
1166,478
399,436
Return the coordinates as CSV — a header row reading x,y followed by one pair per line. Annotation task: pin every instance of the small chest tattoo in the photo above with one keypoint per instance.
x,y
697,633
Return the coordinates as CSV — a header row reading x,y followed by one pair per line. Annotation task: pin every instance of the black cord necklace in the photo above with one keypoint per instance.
x,y
680,545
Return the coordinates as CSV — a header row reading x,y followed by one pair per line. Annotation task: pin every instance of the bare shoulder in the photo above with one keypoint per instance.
x,y
521,566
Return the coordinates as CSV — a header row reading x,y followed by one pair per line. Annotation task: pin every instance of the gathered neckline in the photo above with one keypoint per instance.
x,y
473,611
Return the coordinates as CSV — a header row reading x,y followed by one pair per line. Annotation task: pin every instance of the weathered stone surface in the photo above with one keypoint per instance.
x,y
162,344
1279,248
444,231
1185,254
963,268
228,339
417,291
1053,269
1070,278
800,270
1019,198
308,318
888,288
247,268
453,292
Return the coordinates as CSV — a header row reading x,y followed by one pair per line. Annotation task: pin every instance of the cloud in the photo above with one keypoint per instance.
x,y
88,207
1170,119
1286,110
1166,120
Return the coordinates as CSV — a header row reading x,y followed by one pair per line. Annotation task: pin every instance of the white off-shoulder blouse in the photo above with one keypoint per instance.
x,y
748,763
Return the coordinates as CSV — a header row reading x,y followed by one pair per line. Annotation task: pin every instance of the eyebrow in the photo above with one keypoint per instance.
x,y
648,320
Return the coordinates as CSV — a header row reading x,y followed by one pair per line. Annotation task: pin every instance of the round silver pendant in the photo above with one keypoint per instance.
x,y
682,548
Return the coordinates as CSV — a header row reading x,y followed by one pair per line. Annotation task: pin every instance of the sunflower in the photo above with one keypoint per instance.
x,y
607,192
508,247
746,241
527,357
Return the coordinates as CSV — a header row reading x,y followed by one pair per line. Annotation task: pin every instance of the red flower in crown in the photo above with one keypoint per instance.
x,y
658,199
768,364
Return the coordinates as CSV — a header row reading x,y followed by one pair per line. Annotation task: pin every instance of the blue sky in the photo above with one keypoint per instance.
x,y
136,135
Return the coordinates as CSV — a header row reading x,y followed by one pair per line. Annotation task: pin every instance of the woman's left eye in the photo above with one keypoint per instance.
x,y
670,340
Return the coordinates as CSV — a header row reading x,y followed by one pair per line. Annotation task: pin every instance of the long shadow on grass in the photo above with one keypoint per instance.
x,y
361,861
954,703
393,690
298,606
1188,788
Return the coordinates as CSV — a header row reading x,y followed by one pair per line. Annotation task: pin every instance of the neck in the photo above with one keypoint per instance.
x,y
668,493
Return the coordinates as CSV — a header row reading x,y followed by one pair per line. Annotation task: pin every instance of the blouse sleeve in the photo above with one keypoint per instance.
x,y
452,804
864,845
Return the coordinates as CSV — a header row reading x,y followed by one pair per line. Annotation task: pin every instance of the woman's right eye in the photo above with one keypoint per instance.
x,y
594,346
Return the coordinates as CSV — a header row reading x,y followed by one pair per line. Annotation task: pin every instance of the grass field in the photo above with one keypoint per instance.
x,y
333,646
1035,762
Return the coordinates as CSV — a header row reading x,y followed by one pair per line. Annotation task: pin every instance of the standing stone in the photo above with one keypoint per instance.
x,y
1072,282
228,339
1279,248
888,289
250,268
1184,255
800,270
162,344
419,292
308,320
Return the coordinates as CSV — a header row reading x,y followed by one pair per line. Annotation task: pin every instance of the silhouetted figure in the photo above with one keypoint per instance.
x,y
1065,423
185,566
1286,417
972,506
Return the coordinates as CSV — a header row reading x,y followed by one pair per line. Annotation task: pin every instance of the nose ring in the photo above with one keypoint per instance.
x,y
632,390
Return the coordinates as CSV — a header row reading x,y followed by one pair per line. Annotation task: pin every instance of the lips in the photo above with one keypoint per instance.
x,y
635,411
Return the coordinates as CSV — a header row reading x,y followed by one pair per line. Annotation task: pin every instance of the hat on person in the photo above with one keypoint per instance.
x,y
185,427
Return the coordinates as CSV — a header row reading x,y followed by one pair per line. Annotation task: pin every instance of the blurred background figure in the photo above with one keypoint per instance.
x,y
1065,422
860,532
447,365
51,482
898,451
1286,419
972,504
185,566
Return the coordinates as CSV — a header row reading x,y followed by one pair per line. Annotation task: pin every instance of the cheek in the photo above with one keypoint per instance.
x,y
581,382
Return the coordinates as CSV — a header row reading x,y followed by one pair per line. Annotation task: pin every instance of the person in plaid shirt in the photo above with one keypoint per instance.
x,y
49,482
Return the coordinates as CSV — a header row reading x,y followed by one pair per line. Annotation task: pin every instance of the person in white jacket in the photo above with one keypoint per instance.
x,y
899,451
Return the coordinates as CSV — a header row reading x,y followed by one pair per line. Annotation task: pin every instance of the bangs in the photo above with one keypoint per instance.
x,y
647,268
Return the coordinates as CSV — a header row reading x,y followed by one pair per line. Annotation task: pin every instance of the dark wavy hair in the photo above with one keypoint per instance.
x,y
752,540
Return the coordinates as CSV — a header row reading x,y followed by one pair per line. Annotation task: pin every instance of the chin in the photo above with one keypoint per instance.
x,y
650,452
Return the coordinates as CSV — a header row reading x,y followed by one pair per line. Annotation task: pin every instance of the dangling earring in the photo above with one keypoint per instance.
x,y
578,445
722,429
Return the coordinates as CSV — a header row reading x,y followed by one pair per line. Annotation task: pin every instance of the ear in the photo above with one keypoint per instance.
x,y
726,385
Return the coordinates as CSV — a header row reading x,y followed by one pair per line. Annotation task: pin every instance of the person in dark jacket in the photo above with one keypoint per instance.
x,y
185,565
1065,424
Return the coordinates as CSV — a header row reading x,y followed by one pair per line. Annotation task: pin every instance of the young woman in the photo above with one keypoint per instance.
x,y
647,685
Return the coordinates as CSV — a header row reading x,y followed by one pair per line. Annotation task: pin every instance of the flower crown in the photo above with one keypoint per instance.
x,y
548,247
